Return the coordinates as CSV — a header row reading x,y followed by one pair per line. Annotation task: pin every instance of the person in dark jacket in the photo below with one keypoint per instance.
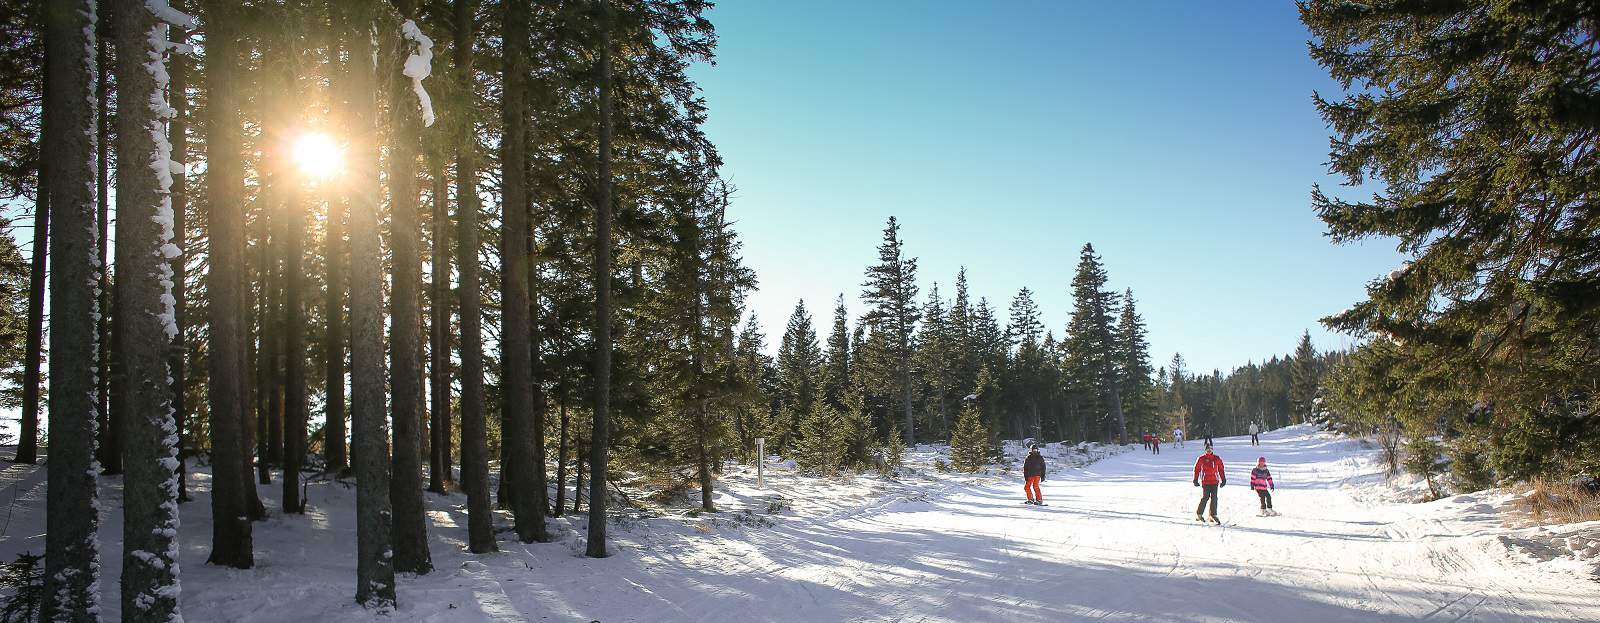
x,y
1033,472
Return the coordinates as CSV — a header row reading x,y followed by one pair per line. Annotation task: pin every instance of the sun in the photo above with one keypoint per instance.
x,y
317,155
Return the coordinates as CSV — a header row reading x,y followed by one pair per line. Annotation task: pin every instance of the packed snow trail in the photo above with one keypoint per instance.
x,y
1118,542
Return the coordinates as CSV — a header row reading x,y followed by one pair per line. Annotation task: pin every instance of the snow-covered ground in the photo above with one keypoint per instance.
x,y
1117,542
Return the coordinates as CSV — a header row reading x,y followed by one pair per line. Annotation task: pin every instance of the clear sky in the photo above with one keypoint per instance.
x,y
1179,138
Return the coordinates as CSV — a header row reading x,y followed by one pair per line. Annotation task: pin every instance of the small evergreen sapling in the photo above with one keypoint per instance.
x,y
969,444
23,581
1422,459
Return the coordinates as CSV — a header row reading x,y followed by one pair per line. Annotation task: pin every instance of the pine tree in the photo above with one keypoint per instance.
x,y
969,443
937,363
820,444
405,322
375,584
1496,305
1024,385
474,428
1133,367
144,276
835,377
67,147
231,540
799,361
1089,346
891,291
1306,375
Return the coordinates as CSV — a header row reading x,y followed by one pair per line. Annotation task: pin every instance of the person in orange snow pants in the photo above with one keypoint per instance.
x,y
1033,472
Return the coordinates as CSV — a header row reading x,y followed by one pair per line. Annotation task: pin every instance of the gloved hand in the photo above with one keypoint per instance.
x,y
1273,487
1197,482
1224,483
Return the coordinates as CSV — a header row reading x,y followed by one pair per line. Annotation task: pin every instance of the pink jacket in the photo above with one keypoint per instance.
x,y
1261,478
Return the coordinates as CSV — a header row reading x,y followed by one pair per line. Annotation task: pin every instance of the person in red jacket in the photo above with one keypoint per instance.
x,y
1209,474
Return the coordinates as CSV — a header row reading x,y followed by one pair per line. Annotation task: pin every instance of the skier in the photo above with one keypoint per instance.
x,y
1145,439
1155,444
1209,474
1033,471
1255,434
1261,482
1177,436
1208,437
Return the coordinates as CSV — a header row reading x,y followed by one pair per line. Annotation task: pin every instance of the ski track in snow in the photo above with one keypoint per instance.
x,y
1117,542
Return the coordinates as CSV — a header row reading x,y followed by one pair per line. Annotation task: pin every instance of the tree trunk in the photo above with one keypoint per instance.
x,y
144,277
540,402
67,146
178,138
405,339
110,450
28,445
294,392
561,458
375,586
333,430
474,430
439,350
577,476
600,438
230,528
515,345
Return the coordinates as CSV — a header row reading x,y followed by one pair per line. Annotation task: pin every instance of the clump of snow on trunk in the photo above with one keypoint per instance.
x,y
419,66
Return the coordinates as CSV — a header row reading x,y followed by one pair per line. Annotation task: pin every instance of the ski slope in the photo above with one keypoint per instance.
x,y
1118,542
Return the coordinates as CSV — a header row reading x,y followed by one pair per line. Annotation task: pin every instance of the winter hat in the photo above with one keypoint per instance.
x,y
1261,461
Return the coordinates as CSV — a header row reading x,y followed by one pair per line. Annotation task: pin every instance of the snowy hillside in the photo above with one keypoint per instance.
x,y
1118,541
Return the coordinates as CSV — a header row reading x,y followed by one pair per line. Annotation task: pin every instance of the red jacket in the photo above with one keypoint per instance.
x,y
1208,470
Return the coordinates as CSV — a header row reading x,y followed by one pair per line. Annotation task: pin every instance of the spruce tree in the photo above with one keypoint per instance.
x,y
1306,375
227,394
835,377
144,275
375,584
1133,367
1476,122
799,361
67,148
1090,346
969,443
891,291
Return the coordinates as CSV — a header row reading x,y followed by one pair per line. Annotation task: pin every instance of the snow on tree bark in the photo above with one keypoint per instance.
x,y
405,318
144,253
72,559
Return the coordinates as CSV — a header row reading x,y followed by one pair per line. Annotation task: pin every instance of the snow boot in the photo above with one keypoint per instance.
x,y
1200,518
1215,520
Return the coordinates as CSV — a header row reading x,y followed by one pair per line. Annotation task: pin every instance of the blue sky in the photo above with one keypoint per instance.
x,y
1178,138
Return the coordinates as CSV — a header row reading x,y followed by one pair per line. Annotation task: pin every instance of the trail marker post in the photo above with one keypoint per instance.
x,y
761,461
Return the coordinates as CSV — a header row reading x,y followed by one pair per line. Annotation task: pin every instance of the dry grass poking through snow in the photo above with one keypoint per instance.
x,y
1555,502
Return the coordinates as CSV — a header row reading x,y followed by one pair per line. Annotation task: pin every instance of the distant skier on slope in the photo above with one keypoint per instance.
x,y
1255,434
1155,444
1177,436
1209,474
1261,482
1033,472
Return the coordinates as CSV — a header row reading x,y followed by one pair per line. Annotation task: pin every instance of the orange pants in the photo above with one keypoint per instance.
x,y
1032,489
